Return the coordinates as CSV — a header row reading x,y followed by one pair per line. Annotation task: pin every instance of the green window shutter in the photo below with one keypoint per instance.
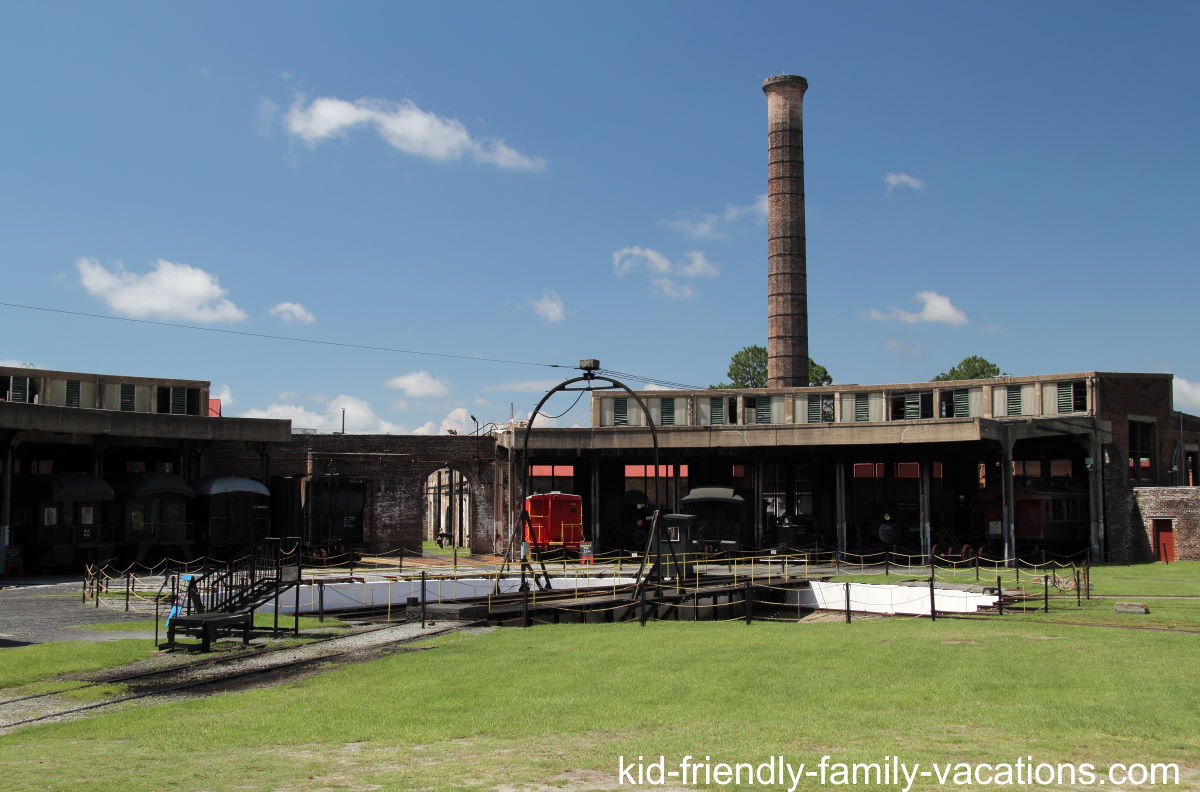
x,y
127,400
178,401
20,390
962,403
621,412
862,407
912,406
666,408
72,393
814,409
1066,396
1014,399
716,410
762,410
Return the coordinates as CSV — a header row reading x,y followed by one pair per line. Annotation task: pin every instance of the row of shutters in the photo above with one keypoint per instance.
x,y
1071,398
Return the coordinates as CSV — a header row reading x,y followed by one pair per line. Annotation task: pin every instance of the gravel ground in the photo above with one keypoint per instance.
x,y
42,609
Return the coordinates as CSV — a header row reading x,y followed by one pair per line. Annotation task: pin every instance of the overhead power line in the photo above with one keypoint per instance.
x,y
293,339
347,345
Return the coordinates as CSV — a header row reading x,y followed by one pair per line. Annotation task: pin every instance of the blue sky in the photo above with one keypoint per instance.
x,y
546,182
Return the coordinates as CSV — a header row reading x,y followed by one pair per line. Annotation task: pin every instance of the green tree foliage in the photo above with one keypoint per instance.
x,y
973,367
817,375
748,369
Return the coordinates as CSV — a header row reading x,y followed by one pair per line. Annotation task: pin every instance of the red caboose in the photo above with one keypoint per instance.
x,y
555,521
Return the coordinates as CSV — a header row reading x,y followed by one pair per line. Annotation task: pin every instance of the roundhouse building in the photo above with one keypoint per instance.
x,y
1056,464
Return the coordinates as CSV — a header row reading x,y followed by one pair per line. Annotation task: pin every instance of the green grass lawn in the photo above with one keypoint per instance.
x,y
514,709
527,706
431,549
20,665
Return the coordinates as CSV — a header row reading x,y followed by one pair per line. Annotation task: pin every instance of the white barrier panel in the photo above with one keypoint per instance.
x,y
372,593
892,600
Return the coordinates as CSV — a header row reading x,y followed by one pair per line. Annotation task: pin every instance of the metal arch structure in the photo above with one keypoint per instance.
x,y
589,377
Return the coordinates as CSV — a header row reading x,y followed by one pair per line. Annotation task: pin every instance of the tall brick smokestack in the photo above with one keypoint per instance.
x,y
787,274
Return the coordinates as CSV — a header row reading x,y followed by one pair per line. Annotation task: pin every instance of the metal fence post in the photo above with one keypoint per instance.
x,y
999,595
1046,593
525,607
846,588
932,603
749,603
128,584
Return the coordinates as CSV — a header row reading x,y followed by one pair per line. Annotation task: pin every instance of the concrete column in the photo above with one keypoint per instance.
x,y
758,502
1006,509
923,505
840,498
1096,496
837,407
986,412
595,489
595,409
6,505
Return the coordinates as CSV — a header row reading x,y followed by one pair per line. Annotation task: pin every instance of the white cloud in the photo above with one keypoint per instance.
x,y
710,225
168,291
427,428
225,394
1187,394
286,396
653,386
549,306
418,384
694,264
458,419
676,291
632,258
696,225
525,386
894,180
360,417
265,117
756,210
292,313
17,364
405,127
903,348
934,308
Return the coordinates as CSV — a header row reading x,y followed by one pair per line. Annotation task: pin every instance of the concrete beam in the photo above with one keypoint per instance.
x,y
50,423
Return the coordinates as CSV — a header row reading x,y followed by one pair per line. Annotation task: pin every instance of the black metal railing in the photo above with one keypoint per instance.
x,y
248,581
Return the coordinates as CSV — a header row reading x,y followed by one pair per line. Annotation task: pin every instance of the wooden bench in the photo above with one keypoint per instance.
x,y
208,625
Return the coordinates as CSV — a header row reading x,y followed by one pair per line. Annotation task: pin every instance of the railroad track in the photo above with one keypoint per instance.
x,y
250,663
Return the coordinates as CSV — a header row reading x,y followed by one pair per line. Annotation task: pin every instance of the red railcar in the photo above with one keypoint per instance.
x,y
555,521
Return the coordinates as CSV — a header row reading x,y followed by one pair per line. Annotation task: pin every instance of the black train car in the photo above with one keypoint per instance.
x,y
61,520
722,520
154,510
232,514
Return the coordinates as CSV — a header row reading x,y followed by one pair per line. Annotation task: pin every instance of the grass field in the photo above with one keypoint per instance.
x,y
553,707
431,549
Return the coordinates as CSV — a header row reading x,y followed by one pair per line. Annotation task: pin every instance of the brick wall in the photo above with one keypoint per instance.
x,y
1123,395
1181,505
396,468
1124,541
